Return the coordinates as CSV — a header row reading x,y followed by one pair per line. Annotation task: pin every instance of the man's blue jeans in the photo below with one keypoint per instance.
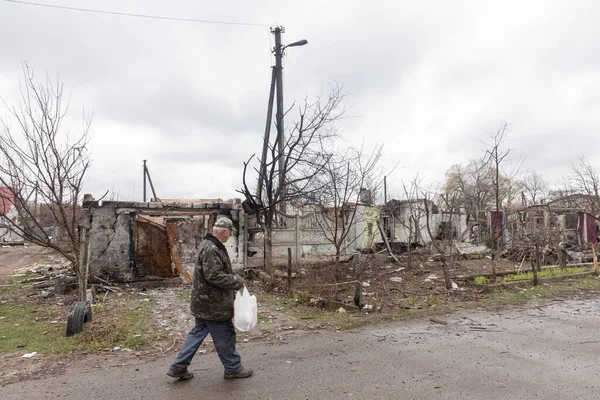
x,y
223,335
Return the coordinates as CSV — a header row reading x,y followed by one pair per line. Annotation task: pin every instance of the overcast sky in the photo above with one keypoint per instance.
x,y
428,79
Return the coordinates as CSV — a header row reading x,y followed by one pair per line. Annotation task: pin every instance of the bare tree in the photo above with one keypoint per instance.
x,y
43,166
537,234
583,179
409,214
496,157
336,193
303,160
443,243
473,184
535,189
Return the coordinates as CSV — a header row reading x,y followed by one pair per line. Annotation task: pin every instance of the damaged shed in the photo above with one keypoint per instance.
x,y
137,241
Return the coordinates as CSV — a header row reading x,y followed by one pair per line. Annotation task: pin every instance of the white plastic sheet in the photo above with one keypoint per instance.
x,y
245,310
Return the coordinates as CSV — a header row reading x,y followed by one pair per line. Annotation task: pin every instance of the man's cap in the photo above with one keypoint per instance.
x,y
224,222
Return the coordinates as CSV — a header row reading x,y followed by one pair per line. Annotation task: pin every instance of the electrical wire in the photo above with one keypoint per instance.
x,y
202,21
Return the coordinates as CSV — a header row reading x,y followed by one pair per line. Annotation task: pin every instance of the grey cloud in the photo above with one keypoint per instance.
x,y
427,79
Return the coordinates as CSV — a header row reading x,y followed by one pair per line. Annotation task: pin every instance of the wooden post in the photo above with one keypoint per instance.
x,y
358,295
387,244
289,271
84,261
244,236
297,241
562,255
595,259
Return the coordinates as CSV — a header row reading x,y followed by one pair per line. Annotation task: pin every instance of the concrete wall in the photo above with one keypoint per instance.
x,y
312,246
311,243
7,235
364,233
458,223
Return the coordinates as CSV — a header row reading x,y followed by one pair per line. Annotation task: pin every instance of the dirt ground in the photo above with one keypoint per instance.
x,y
171,319
389,285
388,290
16,257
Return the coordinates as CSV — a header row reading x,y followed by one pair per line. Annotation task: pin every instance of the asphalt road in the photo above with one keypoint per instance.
x,y
548,351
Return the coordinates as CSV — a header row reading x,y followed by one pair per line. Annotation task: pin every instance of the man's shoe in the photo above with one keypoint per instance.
x,y
244,373
183,375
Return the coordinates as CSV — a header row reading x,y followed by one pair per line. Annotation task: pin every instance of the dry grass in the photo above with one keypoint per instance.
x,y
413,292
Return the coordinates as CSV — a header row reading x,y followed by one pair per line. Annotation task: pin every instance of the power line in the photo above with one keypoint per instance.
x,y
201,21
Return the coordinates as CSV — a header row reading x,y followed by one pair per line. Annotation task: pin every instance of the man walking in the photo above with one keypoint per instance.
x,y
213,289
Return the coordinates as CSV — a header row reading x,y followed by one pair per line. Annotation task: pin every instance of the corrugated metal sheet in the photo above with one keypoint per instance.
x,y
167,244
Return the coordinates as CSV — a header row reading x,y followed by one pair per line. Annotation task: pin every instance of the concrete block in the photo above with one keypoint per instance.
x,y
155,205
198,205
140,205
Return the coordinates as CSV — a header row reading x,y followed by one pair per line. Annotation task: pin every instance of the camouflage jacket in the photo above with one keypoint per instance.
x,y
214,282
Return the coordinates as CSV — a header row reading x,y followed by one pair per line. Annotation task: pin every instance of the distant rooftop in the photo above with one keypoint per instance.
x,y
6,200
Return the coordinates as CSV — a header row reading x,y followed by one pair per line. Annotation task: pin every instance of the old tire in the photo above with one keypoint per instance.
x,y
76,317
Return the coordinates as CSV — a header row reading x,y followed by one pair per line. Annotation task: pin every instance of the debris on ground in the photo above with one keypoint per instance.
x,y
438,321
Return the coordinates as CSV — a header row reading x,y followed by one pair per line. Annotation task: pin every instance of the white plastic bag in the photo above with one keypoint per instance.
x,y
245,310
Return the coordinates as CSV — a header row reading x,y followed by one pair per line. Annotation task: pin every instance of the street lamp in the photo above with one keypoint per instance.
x,y
298,43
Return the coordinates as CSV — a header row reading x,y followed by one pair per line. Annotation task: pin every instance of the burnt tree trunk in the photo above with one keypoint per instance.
x,y
410,240
536,265
83,262
447,279
268,231
338,265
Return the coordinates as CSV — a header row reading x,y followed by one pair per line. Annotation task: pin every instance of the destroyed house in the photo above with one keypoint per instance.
x,y
406,221
573,225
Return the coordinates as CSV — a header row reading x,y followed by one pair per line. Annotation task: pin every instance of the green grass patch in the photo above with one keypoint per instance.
x,y
562,289
545,273
185,296
26,325
261,319
480,280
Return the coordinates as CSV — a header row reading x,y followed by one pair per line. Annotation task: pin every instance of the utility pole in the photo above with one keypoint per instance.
x,y
147,175
276,88
279,114
263,159
144,181
385,190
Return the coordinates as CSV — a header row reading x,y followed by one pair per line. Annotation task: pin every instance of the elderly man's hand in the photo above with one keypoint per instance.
x,y
239,280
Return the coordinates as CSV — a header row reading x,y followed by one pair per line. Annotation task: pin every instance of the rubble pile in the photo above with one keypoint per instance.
x,y
55,276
